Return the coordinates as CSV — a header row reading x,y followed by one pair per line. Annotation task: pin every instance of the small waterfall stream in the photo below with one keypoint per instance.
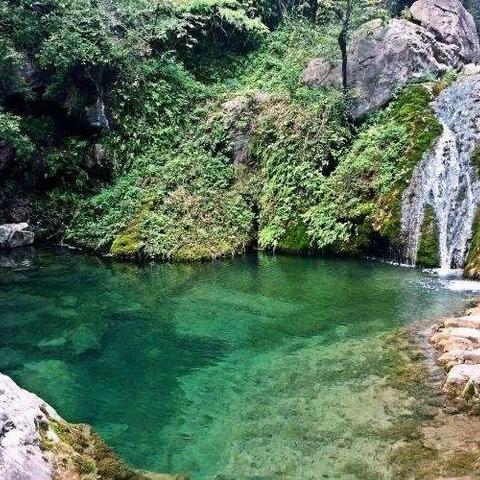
x,y
446,178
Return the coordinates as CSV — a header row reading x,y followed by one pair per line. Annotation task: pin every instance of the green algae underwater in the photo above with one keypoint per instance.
x,y
256,367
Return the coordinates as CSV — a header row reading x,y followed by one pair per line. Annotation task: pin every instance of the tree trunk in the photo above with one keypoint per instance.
x,y
313,9
342,41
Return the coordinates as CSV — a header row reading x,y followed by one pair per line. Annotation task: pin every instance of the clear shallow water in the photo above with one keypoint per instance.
x,y
250,368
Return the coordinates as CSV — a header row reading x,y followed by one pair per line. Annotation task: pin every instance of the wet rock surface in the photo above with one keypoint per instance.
x,y
446,178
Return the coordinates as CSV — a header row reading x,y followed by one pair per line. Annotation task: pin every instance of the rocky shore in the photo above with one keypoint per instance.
x,y
37,444
457,341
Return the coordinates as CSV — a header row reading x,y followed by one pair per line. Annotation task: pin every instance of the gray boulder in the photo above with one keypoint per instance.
x,y
95,115
32,449
385,57
452,25
13,235
22,416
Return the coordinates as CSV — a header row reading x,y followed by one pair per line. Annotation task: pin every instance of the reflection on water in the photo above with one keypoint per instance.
x,y
255,367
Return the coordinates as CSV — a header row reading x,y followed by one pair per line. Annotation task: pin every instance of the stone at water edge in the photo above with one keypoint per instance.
x,y
14,235
472,334
36,444
469,321
458,356
463,380
21,416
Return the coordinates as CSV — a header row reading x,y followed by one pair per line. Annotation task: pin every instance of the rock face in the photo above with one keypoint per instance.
x,y
22,416
238,116
384,57
13,235
95,115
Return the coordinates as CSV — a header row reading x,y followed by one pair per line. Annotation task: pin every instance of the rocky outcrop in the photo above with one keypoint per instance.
x,y
13,235
385,57
95,115
453,28
36,444
238,115
458,341
22,418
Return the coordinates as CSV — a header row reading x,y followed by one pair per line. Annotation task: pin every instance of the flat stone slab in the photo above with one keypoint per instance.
x,y
461,377
469,321
458,356
471,334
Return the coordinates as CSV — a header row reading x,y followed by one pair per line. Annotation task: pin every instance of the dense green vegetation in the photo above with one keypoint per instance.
x,y
182,130
361,200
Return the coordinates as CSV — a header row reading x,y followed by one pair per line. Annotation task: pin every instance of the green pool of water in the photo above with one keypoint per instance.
x,y
258,367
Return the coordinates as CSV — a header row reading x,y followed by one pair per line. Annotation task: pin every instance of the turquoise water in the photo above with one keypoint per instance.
x,y
258,367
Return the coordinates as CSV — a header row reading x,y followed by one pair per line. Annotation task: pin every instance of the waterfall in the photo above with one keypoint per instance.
x,y
446,178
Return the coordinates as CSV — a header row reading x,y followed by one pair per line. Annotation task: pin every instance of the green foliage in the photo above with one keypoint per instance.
x,y
11,134
472,267
363,196
476,158
295,240
277,65
293,142
429,250
195,207
173,152
161,181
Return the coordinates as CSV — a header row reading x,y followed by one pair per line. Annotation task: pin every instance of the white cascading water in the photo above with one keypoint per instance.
x,y
446,178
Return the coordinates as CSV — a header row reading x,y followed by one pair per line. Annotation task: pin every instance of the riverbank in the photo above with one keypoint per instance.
x,y
457,341
439,369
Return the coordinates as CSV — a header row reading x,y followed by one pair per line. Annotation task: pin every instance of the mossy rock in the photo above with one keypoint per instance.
x,y
472,267
127,244
476,159
413,110
296,240
195,252
429,251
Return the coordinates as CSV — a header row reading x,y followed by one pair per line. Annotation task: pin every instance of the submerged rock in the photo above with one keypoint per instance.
x,y
17,258
13,235
384,57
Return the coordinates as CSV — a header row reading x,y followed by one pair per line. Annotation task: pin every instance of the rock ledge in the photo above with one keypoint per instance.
x,y
13,235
